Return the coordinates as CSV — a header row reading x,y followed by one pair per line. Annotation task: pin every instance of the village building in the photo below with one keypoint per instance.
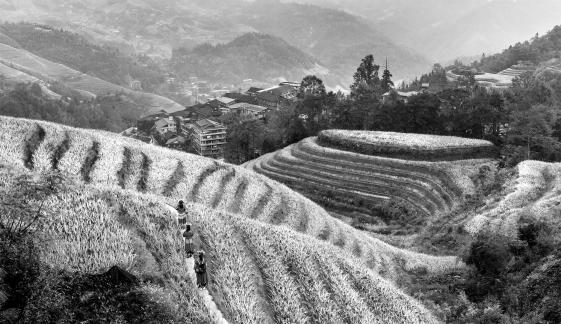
x,y
253,91
242,97
208,138
223,104
177,142
253,111
403,96
164,126
275,97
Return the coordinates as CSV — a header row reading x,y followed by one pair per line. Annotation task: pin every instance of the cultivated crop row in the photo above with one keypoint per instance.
x,y
536,192
145,168
395,187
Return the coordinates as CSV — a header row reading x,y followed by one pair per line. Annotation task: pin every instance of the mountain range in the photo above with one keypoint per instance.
x,y
337,40
444,30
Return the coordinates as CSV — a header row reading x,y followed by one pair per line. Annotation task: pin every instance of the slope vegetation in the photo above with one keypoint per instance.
x,y
257,56
309,268
536,192
346,182
16,61
78,53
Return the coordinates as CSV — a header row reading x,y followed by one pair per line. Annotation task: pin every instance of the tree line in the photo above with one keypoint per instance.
x,y
523,120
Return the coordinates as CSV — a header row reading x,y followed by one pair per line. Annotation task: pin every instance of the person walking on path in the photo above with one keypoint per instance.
x,y
200,270
188,236
181,211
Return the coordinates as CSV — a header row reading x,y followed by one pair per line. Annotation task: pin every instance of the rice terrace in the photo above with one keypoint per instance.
x,y
280,161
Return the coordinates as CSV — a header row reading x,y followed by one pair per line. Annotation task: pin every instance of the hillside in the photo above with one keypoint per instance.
x,y
292,261
80,54
19,65
537,50
338,39
255,56
386,192
449,29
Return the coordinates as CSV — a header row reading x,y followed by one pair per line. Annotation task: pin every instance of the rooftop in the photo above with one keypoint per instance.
x,y
207,123
247,106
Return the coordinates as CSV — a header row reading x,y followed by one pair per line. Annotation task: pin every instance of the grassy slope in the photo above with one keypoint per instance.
x,y
294,274
536,191
46,70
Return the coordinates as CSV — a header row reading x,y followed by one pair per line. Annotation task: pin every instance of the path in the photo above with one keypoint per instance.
x,y
213,309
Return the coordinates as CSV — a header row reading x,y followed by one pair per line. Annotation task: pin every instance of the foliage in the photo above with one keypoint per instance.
x,y
311,86
386,82
111,112
539,49
252,55
77,52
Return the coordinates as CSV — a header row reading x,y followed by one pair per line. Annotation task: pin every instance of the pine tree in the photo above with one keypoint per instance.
x,y
366,75
387,83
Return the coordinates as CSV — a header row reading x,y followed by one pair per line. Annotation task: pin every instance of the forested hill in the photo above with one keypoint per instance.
x,y
252,55
537,50
77,52
336,38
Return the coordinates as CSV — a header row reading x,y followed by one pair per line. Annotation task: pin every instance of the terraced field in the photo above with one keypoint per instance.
x,y
537,191
271,248
346,181
32,66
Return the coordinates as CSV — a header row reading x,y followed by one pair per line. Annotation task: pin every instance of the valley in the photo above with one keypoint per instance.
x,y
280,161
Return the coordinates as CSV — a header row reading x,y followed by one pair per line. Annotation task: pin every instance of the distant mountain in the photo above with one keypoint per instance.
x,y
445,29
338,39
253,55
156,27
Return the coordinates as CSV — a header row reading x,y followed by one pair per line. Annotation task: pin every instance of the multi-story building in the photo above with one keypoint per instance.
x,y
208,138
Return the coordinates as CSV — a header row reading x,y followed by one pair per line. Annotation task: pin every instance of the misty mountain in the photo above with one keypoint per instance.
x,y
338,39
156,28
443,30
257,56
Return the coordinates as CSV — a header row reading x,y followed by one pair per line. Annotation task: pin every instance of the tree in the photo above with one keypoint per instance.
x,y
387,83
366,92
366,74
311,86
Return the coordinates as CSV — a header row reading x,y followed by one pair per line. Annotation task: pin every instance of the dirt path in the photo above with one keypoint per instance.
x,y
213,309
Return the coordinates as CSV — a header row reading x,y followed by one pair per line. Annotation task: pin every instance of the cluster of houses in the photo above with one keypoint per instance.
x,y
200,129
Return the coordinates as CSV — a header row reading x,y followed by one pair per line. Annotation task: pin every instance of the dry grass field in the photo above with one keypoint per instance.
x,y
274,256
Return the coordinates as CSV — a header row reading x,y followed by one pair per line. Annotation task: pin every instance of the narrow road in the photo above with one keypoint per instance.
x,y
213,309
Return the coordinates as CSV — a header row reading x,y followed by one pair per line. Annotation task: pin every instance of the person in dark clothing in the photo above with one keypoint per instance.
x,y
188,236
181,211
200,270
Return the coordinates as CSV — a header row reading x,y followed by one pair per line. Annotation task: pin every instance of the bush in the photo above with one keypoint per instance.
x,y
490,254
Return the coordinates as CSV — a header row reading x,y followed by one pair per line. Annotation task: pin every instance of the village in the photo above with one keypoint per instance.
x,y
200,128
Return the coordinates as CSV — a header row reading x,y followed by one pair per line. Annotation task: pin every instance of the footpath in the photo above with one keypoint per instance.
x,y
213,309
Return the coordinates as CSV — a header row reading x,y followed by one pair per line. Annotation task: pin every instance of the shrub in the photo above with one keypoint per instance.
x,y
408,146
490,254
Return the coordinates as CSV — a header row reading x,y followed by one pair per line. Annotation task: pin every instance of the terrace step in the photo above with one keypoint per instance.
x,y
372,186
404,183
410,169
